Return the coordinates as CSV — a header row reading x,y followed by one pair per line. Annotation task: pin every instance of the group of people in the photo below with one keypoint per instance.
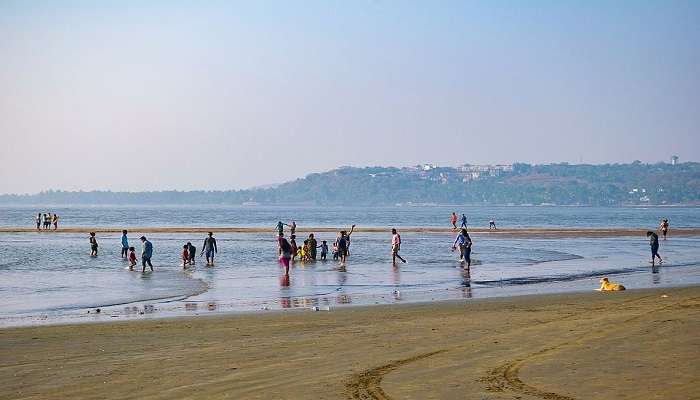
x,y
453,221
289,250
45,220
128,252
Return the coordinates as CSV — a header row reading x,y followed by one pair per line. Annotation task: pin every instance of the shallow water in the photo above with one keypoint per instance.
x,y
52,278
261,216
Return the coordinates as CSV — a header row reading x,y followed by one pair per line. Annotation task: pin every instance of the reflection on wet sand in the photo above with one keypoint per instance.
x,y
466,285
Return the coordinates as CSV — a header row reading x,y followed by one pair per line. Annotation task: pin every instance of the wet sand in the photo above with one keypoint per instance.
x,y
634,344
505,232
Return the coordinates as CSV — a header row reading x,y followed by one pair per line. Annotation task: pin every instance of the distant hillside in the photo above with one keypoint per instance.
x,y
561,184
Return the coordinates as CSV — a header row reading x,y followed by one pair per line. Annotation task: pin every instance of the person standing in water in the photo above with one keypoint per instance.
x,y
125,244
464,221
146,253
664,228
465,247
453,220
347,240
292,228
47,220
280,228
285,252
654,244
185,256
324,250
342,245
209,247
93,245
312,247
395,246
492,224
192,251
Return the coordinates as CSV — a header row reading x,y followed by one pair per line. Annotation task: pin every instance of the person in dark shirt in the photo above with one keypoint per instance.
x,y
192,252
209,247
654,244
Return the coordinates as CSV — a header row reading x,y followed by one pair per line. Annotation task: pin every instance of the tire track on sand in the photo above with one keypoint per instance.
x,y
366,385
507,375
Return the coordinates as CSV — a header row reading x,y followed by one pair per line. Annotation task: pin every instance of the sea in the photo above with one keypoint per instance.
x,y
49,277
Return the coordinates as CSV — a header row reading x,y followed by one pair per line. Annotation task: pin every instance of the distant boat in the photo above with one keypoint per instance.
x,y
250,203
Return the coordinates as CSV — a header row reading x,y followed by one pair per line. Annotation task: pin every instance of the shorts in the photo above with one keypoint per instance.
x,y
284,260
210,253
654,251
94,247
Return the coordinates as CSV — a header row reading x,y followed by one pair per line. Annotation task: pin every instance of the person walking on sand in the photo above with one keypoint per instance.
x,y
38,221
464,221
453,220
93,245
654,244
465,247
125,244
492,225
146,253
55,221
395,246
46,221
664,228
209,247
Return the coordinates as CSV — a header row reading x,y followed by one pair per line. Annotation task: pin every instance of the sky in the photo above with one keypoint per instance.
x,y
160,95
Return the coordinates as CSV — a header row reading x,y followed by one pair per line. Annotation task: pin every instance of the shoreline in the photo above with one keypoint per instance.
x,y
574,345
505,232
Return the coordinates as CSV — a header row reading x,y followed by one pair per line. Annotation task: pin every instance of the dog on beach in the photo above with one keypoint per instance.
x,y
606,286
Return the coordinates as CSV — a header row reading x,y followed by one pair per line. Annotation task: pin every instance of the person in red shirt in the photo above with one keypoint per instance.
x,y
453,219
132,258
185,256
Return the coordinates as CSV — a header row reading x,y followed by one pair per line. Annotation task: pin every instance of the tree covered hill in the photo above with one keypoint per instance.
x,y
561,184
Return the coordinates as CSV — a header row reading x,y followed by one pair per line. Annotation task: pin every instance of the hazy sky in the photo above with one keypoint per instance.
x,y
186,95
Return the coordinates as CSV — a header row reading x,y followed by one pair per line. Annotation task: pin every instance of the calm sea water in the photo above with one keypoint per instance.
x,y
48,278
515,216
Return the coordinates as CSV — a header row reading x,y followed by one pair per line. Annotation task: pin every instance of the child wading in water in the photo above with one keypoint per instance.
x,y
295,249
132,258
185,256
93,245
324,250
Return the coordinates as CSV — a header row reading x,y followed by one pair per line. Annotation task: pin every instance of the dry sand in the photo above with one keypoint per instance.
x,y
623,345
505,232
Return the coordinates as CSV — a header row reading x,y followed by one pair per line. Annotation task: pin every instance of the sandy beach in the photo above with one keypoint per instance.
x,y
505,232
635,344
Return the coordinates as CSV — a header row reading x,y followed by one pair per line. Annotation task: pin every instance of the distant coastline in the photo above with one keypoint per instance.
x,y
634,184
